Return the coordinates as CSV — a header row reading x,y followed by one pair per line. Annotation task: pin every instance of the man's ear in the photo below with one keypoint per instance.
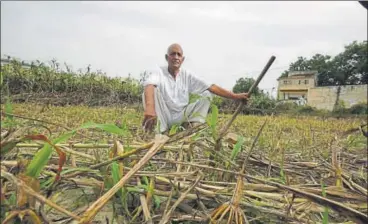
x,y
183,60
166,57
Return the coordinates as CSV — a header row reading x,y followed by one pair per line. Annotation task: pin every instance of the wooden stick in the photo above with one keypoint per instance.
x,y
255,84
166,217
91,212
146,211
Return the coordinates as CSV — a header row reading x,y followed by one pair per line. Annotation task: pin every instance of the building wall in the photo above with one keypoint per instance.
x,y
285,95
325,97
294,85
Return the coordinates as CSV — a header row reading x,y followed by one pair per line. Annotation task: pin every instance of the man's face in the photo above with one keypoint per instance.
x,y
174,57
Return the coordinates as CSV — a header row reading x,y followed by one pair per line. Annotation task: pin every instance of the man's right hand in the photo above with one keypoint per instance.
x,y
149,121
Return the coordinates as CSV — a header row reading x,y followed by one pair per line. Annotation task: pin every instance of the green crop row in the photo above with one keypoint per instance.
x,y
41,80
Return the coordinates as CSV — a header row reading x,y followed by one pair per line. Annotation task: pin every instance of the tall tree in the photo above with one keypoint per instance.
x,y
351,66
318,62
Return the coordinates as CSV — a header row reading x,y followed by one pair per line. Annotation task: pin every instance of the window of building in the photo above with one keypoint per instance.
x,y
306,82
285,82
300,82
293,98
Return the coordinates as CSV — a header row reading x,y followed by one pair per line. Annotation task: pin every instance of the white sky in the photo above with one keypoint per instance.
x,y
222,41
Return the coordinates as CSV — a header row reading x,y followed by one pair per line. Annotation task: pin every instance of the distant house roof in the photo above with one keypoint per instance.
x,y
302,73
297,74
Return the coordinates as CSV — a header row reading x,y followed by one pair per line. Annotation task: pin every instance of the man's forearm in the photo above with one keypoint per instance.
x,y
217,90
149,97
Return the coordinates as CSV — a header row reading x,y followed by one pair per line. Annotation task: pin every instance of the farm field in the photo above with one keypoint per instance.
x,y
299,169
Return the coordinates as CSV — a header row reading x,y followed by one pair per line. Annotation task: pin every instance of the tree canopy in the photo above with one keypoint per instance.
x,y
243,85
349,67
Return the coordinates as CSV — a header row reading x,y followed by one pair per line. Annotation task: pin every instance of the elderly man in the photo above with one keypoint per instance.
x,y
167,92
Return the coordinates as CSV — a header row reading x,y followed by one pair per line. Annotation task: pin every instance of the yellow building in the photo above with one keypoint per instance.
x,y
296,85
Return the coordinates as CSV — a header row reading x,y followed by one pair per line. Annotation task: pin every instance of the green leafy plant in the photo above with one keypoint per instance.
x,y
194,97
9,121
174,129
237,147
325,212
44,154
122,194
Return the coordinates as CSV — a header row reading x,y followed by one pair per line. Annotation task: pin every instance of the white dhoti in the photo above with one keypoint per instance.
x,y
193,112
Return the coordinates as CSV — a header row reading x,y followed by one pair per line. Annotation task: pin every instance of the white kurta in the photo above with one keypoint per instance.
x,y
172,96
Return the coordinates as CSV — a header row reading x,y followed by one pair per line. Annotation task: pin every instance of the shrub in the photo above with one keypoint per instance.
x,y
286,106
340,108
262,101
91,88
306,109
218,101
360,108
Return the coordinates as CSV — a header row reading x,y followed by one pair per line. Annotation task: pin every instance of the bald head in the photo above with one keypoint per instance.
x,y
174,46
174,56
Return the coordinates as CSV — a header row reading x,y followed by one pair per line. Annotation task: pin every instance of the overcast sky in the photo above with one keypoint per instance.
x,y
222,41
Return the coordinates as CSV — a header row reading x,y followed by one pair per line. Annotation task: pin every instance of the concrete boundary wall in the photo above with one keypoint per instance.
x,y
325,97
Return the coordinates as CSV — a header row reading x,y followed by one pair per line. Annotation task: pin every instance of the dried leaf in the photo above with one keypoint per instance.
x,y
34,217
10,217
22,197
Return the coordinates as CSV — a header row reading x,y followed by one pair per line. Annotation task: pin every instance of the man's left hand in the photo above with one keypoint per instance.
x,y
149,122
242,96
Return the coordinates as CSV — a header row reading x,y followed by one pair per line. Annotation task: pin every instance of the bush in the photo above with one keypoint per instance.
x,y
91,88
306,109
218,101
286,106
360,108
262,102
340,108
